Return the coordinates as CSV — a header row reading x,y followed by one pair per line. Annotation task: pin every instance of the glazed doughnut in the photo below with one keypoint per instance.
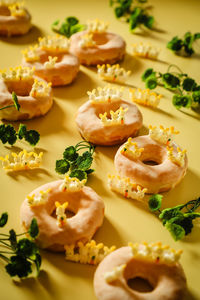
x,y
107,119
153,161
96,46
52,61
14,19
34,94
87,206
153,262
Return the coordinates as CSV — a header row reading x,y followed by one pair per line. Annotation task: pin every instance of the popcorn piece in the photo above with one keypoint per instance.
x,y
95,26
90,253
106,94
114,274
124,186
60,213
129,151
56,43
162,135
72,184
87,41
145,97
155,252
51,62
113,73
34,200
145,50
17,74
179,159
22,161
40,88
117,117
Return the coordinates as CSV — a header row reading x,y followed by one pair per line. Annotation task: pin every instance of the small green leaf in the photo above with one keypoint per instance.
x,y
170,81
32,137
38,262
119,11
176,231
21,131
55,23
175,44
189,84
33,229
89,171
196,96
169,213
84,161
147,73
155,202
151,82
197,36
15,100
149,21
182,101
62,166
72,21
76,28
3,219
70,153
78,174
18,266
26,248
13,239
8,134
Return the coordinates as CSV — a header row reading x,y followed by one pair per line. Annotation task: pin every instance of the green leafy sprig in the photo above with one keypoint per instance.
x,y
178,219
75,164
183,46
136,15
9,135
68,27
16,103
20,254
186,89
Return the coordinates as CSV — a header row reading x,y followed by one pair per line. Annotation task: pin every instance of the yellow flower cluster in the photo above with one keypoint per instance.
x,y
40,88
179,159
117,117
114,274
17,74
40,199
107,94
113,73
60,213
72,184
161,134
90,253
145,50
22,161
155,252
131,150
124,186
87,41
96,25
145,97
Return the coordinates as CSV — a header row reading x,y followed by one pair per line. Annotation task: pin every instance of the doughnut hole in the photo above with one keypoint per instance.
x,y
139,277
153,155
140,284
107,107
4,11
45,56
21,88
69,212
100,39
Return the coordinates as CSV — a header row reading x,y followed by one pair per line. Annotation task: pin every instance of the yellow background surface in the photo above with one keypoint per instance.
x,y
125,220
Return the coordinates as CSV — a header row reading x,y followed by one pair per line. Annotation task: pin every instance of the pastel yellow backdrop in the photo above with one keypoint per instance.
x,y
125,220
